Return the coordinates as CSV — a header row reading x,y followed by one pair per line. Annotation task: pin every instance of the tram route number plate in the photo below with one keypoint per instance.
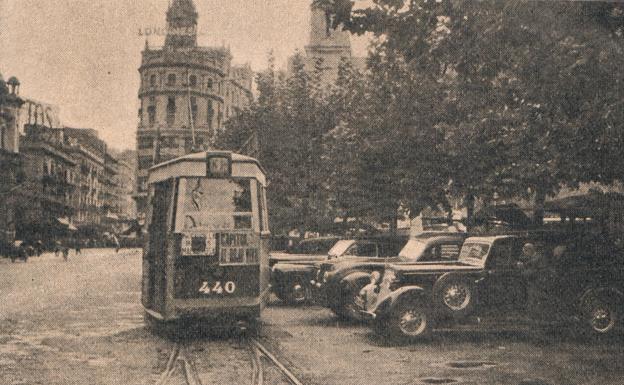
x,y
218,287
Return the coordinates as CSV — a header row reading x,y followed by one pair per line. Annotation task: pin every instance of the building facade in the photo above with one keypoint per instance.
x,y
187,92
51,183
10,161
330,45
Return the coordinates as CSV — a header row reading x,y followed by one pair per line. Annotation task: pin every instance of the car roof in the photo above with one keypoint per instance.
x,y
489,239
319,239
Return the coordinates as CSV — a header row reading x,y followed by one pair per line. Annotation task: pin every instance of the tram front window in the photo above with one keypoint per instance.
x,y
214,204
216,218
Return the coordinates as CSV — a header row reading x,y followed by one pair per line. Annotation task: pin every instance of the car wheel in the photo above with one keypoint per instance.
x,y
410,321
296,293
454,295
601,317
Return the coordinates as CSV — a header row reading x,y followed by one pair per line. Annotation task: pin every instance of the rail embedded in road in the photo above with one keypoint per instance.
x,y
178,358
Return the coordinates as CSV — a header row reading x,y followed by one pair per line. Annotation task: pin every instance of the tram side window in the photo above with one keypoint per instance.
x,y
262,215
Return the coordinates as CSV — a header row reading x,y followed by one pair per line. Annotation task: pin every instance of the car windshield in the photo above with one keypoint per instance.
x,y
474,253
413,250
340,247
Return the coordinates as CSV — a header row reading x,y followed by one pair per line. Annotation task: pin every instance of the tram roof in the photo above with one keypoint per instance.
x,y
195,164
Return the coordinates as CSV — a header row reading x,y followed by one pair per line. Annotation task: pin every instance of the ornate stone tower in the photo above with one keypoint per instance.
x,y
187,92
324,40
329,44
181,24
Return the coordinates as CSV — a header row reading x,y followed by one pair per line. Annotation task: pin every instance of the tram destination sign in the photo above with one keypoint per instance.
x,y
218,166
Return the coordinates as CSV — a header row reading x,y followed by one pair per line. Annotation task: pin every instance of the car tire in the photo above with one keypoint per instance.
x,y
409,321
296,293
601,317
455,295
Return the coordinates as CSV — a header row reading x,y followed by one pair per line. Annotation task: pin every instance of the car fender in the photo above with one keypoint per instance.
x,y
350,280
601,291
406,293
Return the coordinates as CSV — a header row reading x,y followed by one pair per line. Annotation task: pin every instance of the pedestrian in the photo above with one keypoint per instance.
x,y
78,245
39,247
57,248
540,277
65,253
117,244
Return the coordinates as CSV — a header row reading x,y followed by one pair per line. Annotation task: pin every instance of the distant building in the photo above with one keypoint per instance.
x,y
329,44
10,161
51,182
187,92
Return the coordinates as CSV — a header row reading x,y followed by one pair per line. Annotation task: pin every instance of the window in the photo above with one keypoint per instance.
x,y
169,142
262,207
151,115
153,81
145,143
362,250
171,80
209,83
193,80
210,114
145,162
194,108
215,204
449,252
171,110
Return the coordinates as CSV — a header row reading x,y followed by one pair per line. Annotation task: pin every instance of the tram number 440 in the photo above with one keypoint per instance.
x,y
218,288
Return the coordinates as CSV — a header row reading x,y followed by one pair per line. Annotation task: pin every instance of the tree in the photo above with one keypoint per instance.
x,y
531,91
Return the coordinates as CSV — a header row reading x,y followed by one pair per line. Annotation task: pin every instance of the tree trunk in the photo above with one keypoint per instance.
x,y
394,223
538,211
470,208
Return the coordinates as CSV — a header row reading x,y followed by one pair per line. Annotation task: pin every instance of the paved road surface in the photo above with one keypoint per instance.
x,y
80,322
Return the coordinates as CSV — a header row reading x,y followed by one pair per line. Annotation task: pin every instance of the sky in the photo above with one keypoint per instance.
x,y
83,55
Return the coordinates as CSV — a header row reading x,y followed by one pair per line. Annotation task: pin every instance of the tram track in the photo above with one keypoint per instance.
x,y
179,360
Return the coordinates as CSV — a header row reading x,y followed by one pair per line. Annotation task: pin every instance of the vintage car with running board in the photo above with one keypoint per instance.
x,y
489,282
291,280
337,282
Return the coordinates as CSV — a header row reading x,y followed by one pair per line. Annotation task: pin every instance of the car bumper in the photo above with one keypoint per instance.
x,y
368,315
319,293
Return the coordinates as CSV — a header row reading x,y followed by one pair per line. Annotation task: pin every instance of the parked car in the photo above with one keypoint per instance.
x,y
489,285
313,249
291,279
337,282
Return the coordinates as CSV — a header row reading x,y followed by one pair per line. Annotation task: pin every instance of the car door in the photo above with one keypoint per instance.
x,y
503,288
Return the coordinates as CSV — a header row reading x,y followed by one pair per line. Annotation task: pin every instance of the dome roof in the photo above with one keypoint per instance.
x,y
13,81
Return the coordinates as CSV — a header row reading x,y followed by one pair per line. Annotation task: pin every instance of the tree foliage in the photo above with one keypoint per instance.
x,y
531,91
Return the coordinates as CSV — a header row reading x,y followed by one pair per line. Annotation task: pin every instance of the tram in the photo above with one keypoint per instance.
x,y
207,251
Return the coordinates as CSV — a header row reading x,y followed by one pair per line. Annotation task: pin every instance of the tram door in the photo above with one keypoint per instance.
x,y
155,264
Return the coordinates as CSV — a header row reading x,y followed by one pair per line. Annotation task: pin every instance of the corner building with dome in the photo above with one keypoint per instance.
x,y
184,89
